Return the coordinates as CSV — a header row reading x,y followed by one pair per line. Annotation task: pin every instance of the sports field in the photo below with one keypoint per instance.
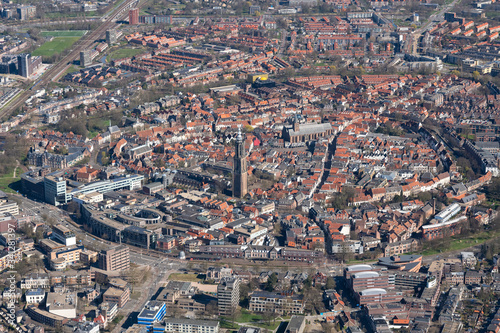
x,y
64,33
56,45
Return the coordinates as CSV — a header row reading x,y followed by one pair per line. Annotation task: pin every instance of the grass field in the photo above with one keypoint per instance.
x,y
254,319
64,33
57,45
185,277
460,244
9,180
71,69
124,53
248,317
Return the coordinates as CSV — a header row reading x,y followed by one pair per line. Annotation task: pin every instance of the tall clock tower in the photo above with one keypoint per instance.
x,y
240,174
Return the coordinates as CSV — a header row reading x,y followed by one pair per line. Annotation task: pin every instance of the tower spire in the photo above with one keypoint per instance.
x,y
240,187
239,138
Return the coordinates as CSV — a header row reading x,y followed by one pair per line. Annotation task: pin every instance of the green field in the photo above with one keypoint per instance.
x,y
456,244
10,184
64,33
124,53
57,45
71,69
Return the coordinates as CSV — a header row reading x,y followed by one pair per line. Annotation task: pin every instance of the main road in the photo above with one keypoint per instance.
x,y
108,22
439,16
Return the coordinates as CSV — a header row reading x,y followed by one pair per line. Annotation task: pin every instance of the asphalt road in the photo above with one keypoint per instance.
x,y
439,16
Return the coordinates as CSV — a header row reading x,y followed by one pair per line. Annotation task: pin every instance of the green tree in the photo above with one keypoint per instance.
x,y
272,282
476,75
330,283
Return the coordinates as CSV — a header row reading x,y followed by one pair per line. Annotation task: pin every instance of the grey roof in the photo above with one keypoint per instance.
x,y
36,292
373,291
364,275
305,129
357,268
192,322
295,324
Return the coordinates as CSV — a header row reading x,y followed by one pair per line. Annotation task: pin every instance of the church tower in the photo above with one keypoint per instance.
x,y
240,174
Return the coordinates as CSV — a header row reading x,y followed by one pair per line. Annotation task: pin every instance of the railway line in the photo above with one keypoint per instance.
x,y
58,68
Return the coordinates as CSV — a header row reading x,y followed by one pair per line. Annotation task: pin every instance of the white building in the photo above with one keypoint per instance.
x,y
64,235
34,296
191,325
35,280
347,247
62,304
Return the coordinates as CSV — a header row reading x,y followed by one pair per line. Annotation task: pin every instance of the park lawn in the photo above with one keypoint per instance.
x,y
248,317
124,53
273,325
185,277
57,45
228,325
459,244
8,179
64,33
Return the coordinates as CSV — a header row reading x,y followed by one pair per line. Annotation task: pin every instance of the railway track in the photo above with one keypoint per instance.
x,y
59,67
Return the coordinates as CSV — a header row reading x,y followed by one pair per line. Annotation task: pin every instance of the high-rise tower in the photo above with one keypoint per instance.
x,y
240,173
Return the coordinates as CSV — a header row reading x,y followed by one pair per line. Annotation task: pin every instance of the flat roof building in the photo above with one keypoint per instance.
x,y
152,313
115,259
62,303
191,325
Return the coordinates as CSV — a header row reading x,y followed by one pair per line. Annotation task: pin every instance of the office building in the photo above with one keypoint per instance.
x,y
111,36
86,58
240,172
62,303
133,16
115,259
117,295
27,65
56,191
7,13
281,303
377,295
191,325
26,12
155,19
228,293
366,280
8,208
8,64
65,256
64,235
410,280
24,64
152,313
